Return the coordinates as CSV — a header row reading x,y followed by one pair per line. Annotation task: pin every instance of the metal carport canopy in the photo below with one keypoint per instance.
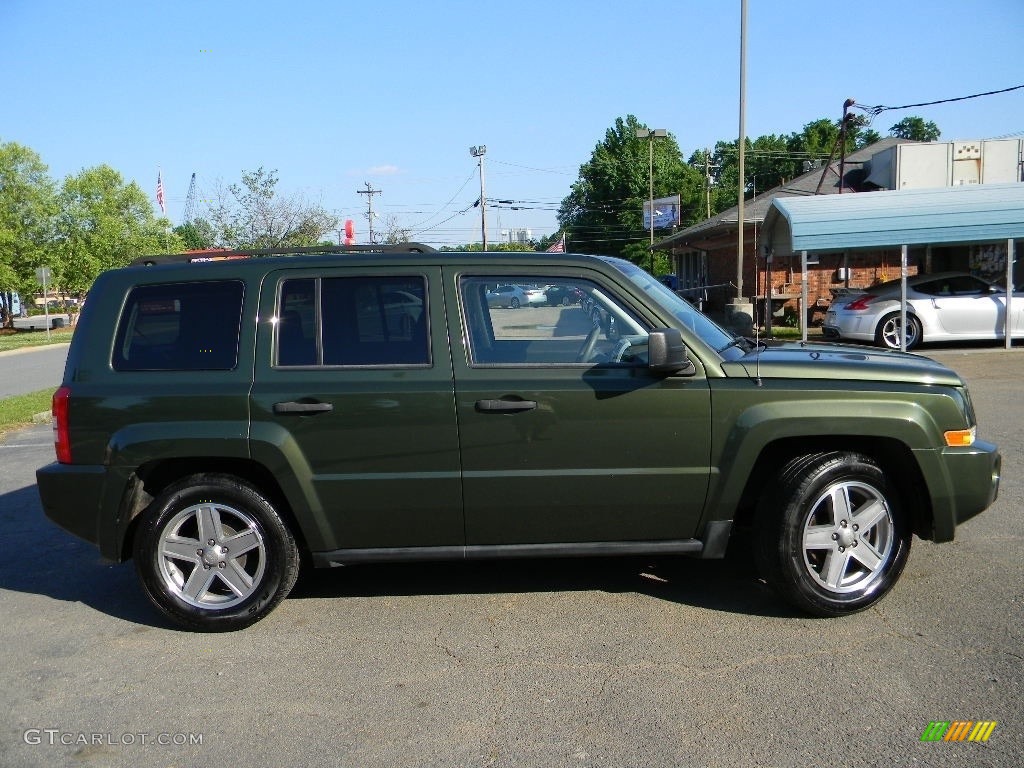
x,y
968,214
974,213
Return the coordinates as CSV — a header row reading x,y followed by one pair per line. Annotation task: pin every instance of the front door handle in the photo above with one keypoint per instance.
x,y
294,407
505,406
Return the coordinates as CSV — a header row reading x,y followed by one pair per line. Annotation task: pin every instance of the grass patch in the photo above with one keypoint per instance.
x,y
19,339
18,411
786,332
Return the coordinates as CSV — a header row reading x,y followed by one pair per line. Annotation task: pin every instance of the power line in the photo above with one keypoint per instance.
x,y
877,110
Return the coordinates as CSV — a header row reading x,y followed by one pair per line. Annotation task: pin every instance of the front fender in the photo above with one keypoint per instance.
x,y
759,426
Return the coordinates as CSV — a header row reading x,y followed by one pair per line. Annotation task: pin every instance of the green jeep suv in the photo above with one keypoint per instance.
x,y
223,418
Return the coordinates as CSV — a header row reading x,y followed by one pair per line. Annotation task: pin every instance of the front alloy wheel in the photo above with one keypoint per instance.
x,y
833,538
848,536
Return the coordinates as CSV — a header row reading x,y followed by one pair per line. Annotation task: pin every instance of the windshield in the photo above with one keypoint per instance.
x,y
697,322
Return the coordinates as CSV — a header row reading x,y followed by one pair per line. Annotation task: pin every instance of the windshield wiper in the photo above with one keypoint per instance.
x,y
749,345
736,342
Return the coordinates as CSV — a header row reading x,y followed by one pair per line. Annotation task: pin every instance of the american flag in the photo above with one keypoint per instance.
x,y
160,192
558,247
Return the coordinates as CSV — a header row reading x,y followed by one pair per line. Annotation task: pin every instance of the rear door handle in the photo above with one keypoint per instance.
x,y
294,407
505,406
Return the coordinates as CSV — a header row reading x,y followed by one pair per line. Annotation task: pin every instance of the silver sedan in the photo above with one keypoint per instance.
x,y
948,306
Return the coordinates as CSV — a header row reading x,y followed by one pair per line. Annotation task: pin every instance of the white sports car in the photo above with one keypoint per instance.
x,y
948,306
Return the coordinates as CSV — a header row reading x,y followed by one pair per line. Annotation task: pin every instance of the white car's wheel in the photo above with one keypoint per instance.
x,y
889,331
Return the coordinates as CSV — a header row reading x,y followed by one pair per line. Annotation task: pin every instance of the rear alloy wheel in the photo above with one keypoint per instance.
x,y
832,538
889,333
514,303
213,554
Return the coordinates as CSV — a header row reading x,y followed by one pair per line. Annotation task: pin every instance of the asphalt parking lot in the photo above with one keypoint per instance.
x,y
626,662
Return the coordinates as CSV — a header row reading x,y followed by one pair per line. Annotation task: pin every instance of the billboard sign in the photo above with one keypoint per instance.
x,y
666,212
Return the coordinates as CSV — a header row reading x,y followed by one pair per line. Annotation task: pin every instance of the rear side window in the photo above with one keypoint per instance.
x,y
353,321
180,327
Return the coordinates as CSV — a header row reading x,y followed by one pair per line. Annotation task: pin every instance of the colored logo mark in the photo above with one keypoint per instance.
x,y
958,730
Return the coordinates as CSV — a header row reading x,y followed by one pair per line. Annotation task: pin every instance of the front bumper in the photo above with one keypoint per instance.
x,y
971,478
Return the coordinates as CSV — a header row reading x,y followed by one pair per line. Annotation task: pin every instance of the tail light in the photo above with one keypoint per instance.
x,y
61,432
861,302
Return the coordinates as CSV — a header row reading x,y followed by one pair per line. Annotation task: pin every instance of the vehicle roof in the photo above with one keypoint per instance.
x,y
889,285
241,263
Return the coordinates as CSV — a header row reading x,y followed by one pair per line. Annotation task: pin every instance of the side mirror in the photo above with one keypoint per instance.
x,y
666,352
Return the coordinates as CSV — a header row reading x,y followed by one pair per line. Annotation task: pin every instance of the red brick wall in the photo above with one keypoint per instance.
x,y
866,268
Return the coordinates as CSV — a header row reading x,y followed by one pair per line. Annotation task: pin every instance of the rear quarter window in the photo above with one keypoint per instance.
x,y
180,327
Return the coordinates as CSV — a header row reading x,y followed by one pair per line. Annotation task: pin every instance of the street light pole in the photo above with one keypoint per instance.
x,y
741,146
479,152
651,135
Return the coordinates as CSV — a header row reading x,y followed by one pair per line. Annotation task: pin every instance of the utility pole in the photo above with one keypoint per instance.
x,y
369,192
479,152
707,178
651,135
847,119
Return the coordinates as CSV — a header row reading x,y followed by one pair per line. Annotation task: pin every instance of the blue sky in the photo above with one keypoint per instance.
x,y
335,94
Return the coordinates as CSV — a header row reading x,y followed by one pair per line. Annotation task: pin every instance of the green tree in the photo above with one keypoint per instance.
x,y
603,212
768,163
104,223
394,232
866,137
27,205
253,215
196,235
915,129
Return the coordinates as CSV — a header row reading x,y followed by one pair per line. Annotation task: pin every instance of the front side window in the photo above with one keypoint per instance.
x,y
180,327
353,321
559,321
685,313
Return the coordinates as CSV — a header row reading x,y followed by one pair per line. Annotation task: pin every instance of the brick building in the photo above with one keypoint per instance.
x,y
704,255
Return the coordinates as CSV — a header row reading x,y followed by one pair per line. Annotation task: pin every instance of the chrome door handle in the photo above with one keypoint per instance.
x,y
505,406
294,407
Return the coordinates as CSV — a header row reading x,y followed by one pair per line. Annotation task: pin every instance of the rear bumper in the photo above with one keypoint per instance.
x,y
71,495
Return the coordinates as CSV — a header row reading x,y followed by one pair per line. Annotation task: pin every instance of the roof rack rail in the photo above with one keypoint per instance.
x,y
226,254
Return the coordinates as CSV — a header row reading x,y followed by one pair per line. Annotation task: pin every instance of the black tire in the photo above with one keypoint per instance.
x,y
514,303
832,537
566,301
213,554
887,334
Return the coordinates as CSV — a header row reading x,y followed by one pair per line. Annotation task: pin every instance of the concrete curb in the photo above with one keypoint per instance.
x,y
34,348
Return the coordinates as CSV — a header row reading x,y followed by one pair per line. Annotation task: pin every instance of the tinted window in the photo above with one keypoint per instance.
x,y
579,322
180,327
358,321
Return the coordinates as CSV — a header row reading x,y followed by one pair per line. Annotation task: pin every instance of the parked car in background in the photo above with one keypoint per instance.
x,y
562,295
535,295
947,306
507,296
